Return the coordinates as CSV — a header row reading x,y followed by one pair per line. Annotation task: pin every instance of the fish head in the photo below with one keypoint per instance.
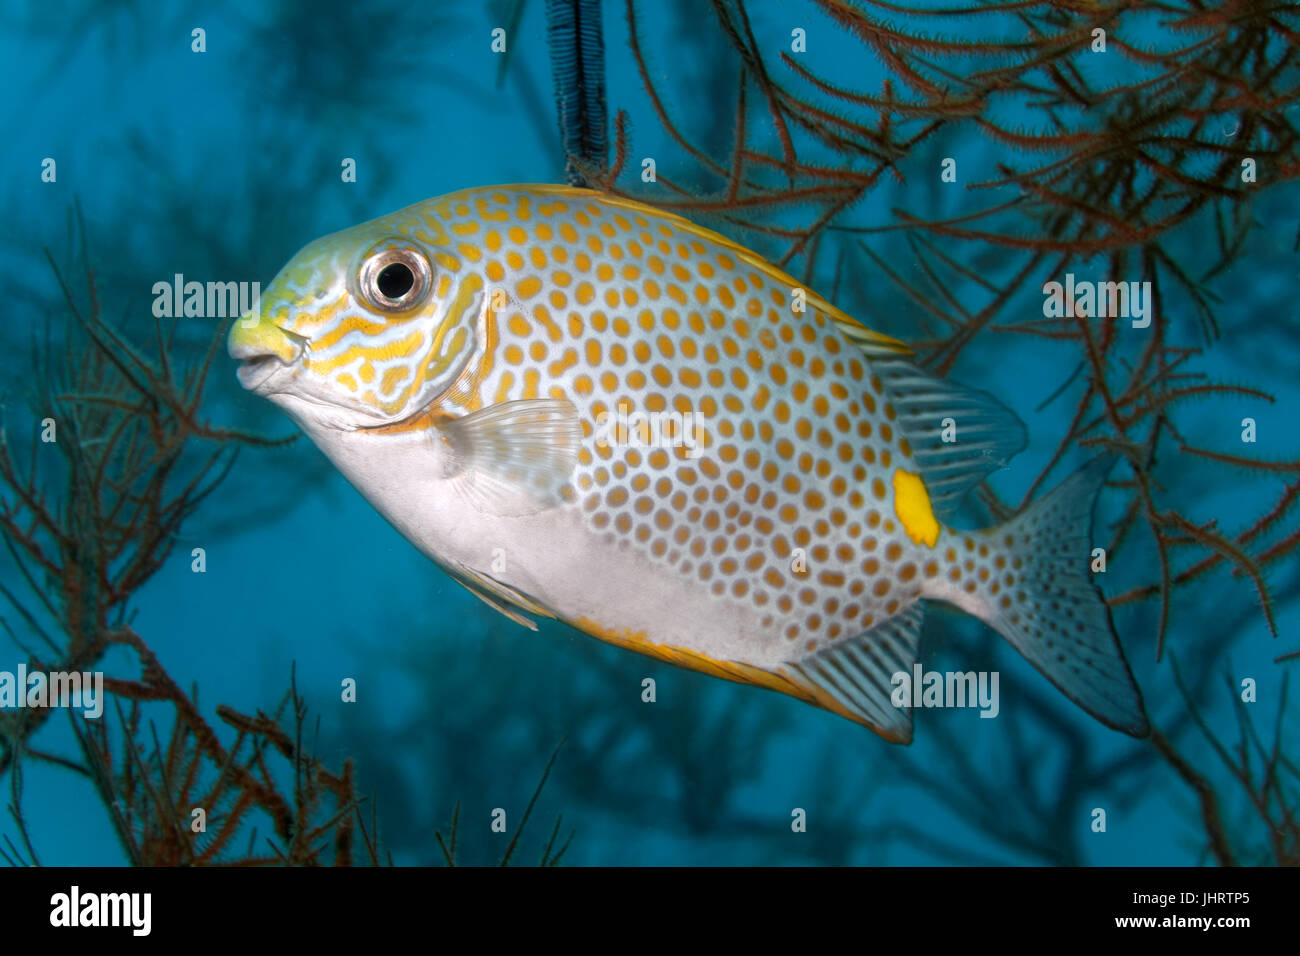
x,y
363,328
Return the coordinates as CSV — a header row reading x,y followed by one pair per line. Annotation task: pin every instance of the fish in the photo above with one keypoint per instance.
x,y
588,409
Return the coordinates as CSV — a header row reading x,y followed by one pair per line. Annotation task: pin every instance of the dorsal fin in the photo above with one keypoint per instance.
x,y
986,433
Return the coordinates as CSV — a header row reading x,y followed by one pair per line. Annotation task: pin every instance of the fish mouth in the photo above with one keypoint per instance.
x,y
264,350
256,372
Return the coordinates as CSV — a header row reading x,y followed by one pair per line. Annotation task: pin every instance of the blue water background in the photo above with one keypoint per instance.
x,y
221,165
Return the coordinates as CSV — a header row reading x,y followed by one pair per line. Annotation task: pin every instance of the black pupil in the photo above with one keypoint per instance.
x,y
395,280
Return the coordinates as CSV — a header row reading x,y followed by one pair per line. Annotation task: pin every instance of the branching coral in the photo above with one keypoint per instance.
x,y
90,516
552,851
154,795
1147,120
1264,774
1125,163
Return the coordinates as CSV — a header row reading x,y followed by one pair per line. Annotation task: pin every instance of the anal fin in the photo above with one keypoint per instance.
x,y
855,678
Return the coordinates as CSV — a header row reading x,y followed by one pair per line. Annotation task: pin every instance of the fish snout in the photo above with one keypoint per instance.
x,y
263,348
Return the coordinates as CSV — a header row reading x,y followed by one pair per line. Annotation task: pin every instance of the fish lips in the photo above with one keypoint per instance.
x,y
261,373
264,366
284,384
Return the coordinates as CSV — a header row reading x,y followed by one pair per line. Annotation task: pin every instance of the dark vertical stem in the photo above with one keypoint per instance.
x,y
578,70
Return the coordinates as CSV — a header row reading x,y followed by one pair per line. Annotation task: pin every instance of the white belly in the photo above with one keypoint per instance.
x,y
584,577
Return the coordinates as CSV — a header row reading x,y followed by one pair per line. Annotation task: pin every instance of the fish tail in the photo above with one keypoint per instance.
x,y
1041,597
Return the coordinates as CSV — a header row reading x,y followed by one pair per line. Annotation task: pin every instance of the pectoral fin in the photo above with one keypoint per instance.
x,y
515,458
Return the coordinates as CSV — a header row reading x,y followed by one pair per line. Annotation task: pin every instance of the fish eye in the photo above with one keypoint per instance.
x,y
396,278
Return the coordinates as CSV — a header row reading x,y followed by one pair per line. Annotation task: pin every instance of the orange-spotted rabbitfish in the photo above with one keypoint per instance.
x,y
584,408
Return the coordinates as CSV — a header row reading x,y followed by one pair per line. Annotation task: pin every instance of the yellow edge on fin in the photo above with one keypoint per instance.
x,y
782,682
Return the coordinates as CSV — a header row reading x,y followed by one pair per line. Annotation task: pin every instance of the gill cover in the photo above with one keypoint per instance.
x,y
411,324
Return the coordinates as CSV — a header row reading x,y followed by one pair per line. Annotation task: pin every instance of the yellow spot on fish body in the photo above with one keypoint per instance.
x,y
503,390
566,361
392,378
912,505
485,211
446,261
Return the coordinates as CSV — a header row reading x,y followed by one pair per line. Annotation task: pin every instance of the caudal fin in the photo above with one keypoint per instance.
x,y
1052,612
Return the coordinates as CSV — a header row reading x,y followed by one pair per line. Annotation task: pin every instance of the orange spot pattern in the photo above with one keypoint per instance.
x,y
627,310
